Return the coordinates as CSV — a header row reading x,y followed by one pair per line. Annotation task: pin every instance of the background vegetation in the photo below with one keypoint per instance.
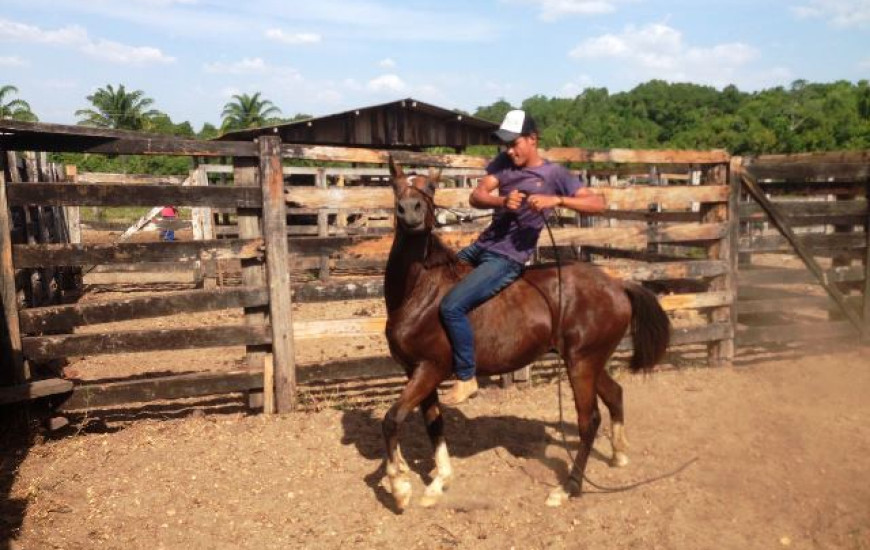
x,y
803,117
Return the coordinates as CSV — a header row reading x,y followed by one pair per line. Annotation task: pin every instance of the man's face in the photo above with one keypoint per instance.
x,y
521,149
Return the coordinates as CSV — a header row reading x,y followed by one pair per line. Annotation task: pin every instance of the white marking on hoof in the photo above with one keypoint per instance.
x,y
433,493
557,497
401,491
619,460
441,476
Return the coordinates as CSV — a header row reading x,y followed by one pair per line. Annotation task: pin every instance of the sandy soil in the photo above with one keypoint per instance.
x,y
774,455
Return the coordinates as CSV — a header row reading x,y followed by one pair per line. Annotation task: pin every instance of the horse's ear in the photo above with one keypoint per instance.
x,y
395,170
434,178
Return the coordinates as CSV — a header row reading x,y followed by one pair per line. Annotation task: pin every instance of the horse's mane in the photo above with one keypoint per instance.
x,y
439,254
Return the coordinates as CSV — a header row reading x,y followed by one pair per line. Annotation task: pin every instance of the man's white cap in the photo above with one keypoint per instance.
x,y
516,123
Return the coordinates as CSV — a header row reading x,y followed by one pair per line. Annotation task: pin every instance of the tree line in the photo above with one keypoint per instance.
x,y
802,117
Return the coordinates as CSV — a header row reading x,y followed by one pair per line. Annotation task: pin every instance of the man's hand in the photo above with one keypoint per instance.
x,y
514,200
543,202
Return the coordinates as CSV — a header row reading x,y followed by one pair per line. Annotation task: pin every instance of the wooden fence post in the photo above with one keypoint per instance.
x,y
278,273
245,173
12,346
721,352
866,289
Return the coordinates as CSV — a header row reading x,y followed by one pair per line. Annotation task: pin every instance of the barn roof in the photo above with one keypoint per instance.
x,y
403,124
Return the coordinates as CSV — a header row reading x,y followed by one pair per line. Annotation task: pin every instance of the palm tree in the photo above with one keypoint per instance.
x,y
117,109
16,109
247,111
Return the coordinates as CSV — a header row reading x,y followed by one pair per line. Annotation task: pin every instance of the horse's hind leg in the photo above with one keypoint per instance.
x,y
422,383
583,374
611,393
443,471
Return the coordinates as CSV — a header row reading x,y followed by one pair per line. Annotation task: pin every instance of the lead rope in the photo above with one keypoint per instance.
x,y
572,475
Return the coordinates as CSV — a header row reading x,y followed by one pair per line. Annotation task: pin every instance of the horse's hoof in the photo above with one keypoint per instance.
x,y
557,497
619,460
430,499
401,490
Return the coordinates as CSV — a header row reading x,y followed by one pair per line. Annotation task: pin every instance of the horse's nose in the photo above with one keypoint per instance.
x,y
411,210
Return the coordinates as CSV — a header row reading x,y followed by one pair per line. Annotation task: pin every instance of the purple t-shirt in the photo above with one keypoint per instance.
x,y
514,233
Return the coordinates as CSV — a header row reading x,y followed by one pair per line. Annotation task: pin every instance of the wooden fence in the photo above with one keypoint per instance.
x,y
677,238
805,277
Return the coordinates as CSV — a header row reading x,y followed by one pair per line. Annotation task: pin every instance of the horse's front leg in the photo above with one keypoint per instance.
x,y
443,471
583,375
422,383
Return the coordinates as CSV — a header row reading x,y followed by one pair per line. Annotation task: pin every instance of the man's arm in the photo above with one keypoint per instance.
x,y
584,201
482,196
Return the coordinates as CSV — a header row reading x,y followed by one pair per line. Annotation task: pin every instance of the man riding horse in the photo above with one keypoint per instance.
x,y
527,185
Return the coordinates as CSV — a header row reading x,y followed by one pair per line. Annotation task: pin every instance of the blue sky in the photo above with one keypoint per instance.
x,y
324,56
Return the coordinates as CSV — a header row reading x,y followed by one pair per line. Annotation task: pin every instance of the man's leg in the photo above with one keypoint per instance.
x,y
488,278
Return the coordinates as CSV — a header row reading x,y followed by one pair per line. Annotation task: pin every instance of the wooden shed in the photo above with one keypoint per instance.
x,y
404,124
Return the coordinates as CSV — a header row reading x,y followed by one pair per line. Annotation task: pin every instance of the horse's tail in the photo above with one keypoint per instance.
x,y
650,327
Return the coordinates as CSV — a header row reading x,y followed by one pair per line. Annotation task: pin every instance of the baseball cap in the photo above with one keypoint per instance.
x,y
516,123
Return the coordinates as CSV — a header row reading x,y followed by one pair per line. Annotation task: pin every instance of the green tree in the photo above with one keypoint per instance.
x,y
118,109
247,111
16,109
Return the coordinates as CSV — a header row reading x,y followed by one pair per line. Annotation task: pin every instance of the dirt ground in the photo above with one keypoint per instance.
x,y
774,454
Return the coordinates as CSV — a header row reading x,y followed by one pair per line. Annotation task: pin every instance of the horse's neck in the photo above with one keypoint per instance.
x,y
412,257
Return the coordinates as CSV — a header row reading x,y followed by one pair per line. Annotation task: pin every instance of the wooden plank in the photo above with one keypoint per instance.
x,y
128,179
783,304
34,390
795,333
777,219
319,291
10,351
813,242
42,348
278,277
87,194
67,317
245,174
794,209
775,276
179,386
668,270
633,198
865,311
40,255
675,302
336,328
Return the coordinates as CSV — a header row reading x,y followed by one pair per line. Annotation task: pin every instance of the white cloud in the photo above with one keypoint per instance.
x,y
279,35
387,83
12,61
551,10
840,13
248,65
864,64
387,63
659,51
77,37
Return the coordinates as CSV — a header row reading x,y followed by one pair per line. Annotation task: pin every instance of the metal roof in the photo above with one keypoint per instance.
x,y
406,123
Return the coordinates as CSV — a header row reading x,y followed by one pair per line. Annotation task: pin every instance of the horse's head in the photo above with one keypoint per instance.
x,y
415,198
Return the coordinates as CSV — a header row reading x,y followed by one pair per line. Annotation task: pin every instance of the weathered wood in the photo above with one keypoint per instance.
x,y
41,348
799,209
701,300
128,179
34,390
825,187
280,303
781,304
795,333
813,242
693,269
756,275
373,156
339,290
179,386
40,136
86,194
10,334
778,220
246,174
866,290
652,217
66,317
39,255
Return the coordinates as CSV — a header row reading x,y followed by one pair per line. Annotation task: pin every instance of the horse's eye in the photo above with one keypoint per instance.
x,y
417,206
401,209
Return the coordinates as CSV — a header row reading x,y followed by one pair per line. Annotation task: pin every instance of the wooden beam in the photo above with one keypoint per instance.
x,y
34,390
65,318
566,154
39,255
179,386
813,242
803,332
278,276
10,344
100,194
779,221
42,348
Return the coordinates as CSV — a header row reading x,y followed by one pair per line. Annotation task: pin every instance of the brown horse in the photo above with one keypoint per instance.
x,y
584,317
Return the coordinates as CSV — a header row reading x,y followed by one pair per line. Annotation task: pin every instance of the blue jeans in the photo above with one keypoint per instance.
x,y
492,272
